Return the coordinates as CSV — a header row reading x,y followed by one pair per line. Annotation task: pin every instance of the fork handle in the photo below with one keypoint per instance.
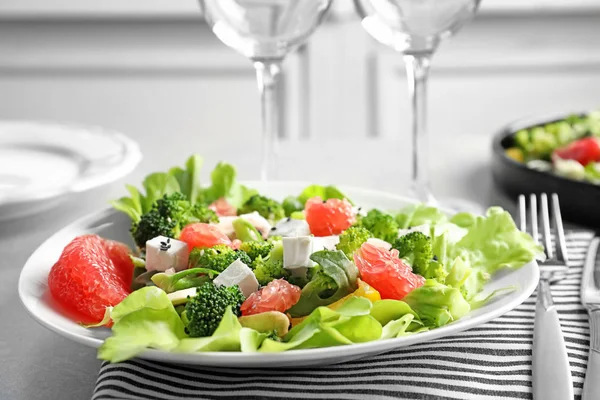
x,y
591,385
551,371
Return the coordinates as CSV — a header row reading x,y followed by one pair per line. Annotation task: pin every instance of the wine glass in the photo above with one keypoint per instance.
x,y
265,31
415,28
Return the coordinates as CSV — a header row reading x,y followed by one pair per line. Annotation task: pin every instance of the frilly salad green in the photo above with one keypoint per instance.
x,y
252,277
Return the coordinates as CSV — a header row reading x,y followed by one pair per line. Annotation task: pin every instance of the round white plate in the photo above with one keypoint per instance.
x,y
40,163
111,224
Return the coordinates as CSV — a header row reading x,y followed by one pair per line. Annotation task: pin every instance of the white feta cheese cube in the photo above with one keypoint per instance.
x,y
290,227
296,254
379,243
325,243
239,274
163,253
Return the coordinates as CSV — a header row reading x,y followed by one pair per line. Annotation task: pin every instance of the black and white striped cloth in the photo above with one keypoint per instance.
x,y
492,361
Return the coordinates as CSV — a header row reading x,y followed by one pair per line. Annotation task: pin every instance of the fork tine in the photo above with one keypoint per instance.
x,y
522,213
561,248
534,222
546,226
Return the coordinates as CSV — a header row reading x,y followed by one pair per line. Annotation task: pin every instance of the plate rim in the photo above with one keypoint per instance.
x,y
250,360
131,152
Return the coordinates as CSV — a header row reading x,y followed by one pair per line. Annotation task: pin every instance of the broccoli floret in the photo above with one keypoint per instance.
x,y
416,248
351,240
217,258
168,216
381,225
270,267
291,205
204,312
256,249
268,208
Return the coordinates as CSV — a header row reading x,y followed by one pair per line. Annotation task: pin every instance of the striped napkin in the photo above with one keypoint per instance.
x,y
492,361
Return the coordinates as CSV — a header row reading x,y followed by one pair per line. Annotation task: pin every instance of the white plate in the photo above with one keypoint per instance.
x,y
40,163
110,224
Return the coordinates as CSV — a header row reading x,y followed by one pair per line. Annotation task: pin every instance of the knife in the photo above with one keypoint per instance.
x,y
590,298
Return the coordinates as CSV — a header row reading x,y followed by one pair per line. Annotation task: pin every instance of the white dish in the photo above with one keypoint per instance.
x,y
41,163
114,225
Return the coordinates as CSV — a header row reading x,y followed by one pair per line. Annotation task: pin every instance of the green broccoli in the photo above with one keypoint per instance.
x,y
256,249
188,278
381,225
291,204
351,240
204,312
417,249
268,208
168,216
270,267
217,258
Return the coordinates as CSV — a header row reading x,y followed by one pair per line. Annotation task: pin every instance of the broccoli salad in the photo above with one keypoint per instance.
x,y
225,268
568,148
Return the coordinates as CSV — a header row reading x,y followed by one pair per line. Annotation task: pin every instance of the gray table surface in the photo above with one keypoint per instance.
x,y
39,364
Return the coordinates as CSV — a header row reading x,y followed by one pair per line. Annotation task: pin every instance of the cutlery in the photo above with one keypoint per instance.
x,y
551,370
590,298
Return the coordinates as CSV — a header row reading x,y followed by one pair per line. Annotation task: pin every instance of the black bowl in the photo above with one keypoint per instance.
x,y
579,200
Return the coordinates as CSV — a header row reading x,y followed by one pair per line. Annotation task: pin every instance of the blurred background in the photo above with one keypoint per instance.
x,y
154,70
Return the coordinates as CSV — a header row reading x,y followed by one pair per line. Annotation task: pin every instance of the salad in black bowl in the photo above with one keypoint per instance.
x,y
554,155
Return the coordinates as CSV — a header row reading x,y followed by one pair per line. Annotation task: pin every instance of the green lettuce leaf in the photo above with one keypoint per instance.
x,y
189,178
146,318
225,184
187,181
324,192
399,327
351,323
229,336
336,269
494,242
419,214
437,304
387,310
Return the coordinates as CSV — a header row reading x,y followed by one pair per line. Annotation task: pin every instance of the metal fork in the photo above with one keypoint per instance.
x,y
551,371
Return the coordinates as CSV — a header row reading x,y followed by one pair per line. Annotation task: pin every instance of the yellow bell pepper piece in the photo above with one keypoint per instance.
x,y
364,290
515,153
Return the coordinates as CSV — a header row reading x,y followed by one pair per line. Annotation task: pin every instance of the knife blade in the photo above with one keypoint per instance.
x,y
590,298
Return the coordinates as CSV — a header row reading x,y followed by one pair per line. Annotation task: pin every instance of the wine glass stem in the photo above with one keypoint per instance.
x,y
417,71
267,75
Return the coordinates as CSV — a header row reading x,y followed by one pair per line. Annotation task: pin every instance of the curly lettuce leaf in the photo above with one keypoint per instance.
x,y
419,214
324,327
225,185
144,319
494,242
437,304
229,336
185,180
189,178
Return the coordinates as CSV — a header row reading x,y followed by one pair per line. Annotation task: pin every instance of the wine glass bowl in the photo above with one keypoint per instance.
x,y
264,29
414,26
